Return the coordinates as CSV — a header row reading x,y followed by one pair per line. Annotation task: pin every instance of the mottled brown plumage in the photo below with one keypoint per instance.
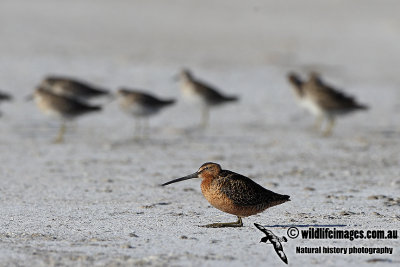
x,y
233,193
322,100
72,88
199,91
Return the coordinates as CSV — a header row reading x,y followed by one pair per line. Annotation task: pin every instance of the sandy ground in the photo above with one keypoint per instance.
x,y
96,199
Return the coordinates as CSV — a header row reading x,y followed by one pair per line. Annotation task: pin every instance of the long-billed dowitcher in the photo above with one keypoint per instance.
x,y
4,97
198,91
322,100
61,107
233,193
275,241
141,105
72,88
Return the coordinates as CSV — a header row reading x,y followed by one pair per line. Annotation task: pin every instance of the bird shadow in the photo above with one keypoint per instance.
x,y
304,225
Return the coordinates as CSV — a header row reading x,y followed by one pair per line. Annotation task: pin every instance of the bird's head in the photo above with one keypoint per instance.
x,y
123,92
185,75
207,170
296,82
49,82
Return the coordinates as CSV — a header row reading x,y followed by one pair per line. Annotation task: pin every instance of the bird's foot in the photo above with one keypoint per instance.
x,y
58,140
327,133
238,223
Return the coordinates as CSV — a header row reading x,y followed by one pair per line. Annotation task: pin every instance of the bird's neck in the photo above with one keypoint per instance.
x,y
206,182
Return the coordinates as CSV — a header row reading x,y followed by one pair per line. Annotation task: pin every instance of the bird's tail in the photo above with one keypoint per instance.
x,y
231,98
5,97
362,107
169,102
94,108
99,91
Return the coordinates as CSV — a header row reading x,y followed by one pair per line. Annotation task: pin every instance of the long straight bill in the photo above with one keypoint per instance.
x,y
190,176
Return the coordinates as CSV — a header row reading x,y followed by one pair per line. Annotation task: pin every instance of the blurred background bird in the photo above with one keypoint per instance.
x,y
322,100
61,107
141,106
200,92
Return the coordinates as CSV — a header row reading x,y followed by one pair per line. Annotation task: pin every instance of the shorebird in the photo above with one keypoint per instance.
x,y
198,91
72,88
275,241
61,107
140,104
322,100
233,193
4,97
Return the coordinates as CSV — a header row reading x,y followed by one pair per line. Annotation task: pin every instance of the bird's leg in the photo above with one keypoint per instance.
x,y
145,131
238,223
205,117
331,123
137,129
72,125
318,122
60,137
